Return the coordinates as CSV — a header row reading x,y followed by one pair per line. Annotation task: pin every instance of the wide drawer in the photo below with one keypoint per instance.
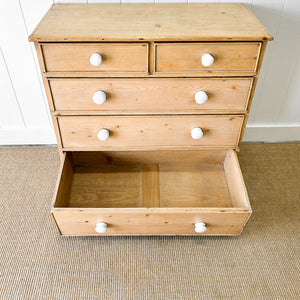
x,y
151,193
71,59
206,59
102,132
177,95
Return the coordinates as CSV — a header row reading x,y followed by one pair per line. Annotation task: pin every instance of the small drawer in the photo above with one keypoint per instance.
x,y
206,59
151,193
95,59
102,132
151,95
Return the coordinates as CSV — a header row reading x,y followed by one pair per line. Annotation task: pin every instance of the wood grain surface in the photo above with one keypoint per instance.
x,y
149,131
136,197
238,59
116,57
162,95
159,22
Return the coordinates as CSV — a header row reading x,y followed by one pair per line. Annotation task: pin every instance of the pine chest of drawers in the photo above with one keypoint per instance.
x,y
149,104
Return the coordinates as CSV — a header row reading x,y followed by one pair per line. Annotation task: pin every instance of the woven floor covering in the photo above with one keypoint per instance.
x,y
262,263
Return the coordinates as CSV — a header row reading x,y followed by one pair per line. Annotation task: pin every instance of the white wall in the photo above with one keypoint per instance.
x,y
24,116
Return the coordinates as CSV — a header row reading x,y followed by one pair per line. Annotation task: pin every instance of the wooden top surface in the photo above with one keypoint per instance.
x,y
149,22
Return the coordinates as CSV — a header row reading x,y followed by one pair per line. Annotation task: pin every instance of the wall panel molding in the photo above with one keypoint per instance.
x,y
27,136
272,133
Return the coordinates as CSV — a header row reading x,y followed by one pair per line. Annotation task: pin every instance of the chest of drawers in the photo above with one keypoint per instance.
x,y
149,104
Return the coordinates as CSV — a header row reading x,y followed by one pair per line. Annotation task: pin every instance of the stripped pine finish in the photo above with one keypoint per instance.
x,y
149,118
149,131
146,95
236,59
157,22
122,193
117,57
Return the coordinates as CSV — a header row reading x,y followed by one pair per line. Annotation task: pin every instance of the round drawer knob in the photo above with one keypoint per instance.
x,y
103,134
96,59
99,97
201,97
101,227
207,60
200,227
196,133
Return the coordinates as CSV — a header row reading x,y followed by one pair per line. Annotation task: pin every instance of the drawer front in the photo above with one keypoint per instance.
x,y
207,59
146,131
151,95
114,57
84,222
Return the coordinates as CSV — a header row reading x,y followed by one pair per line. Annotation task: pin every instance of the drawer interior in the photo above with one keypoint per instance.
x,y
151,179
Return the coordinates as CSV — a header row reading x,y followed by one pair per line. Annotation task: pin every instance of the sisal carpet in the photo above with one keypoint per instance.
x,y
263,263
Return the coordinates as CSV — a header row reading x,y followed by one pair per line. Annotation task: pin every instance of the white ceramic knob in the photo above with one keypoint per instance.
x,y
196,133
101,227
99,97
200,227
103,134
96,59
201,97
207,60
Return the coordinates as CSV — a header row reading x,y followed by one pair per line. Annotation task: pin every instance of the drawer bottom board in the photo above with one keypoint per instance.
x,y
151,193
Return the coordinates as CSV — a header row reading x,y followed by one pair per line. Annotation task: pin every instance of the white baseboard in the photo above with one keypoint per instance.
x,y
27,136
272,133
253,133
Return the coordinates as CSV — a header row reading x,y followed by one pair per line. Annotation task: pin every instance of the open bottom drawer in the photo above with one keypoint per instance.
x,y
151,193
